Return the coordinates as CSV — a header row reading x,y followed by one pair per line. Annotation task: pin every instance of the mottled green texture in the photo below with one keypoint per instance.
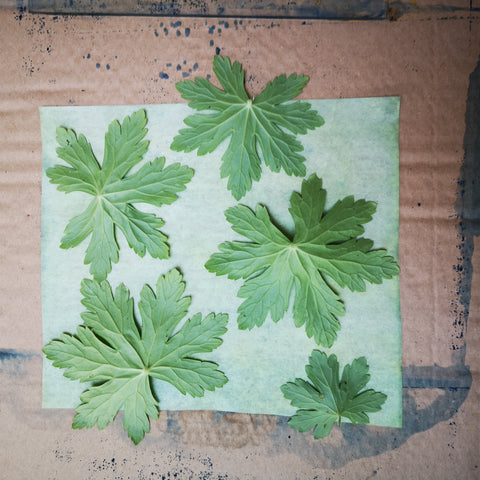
x,y
121,360
324,249
328,397
355,153
258,128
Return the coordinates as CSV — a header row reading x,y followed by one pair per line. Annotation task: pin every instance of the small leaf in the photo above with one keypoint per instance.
x,y
326,399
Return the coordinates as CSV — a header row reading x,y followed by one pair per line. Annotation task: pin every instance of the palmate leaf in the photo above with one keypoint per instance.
x,y
254,126
325,248
327,398
121,359
114,192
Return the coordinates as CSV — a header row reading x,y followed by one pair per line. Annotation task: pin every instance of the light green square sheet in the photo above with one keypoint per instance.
x,y
354,152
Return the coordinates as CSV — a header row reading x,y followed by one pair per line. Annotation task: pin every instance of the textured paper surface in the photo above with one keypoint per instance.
x,y
355,152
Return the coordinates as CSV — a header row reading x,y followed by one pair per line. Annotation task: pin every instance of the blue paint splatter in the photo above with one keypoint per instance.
x,y
97,65
187,32
176,24
185,74
168,64
179,33
156,33
211,29
163,75
217,51
195,66
179,67
88,55
107,66
165,31
211,43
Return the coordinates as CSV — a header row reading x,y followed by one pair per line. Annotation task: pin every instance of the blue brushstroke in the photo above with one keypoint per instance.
x,y
468,200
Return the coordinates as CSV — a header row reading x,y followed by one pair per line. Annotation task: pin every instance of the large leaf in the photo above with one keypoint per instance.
x,y
114,192
324,249
257,128
121,359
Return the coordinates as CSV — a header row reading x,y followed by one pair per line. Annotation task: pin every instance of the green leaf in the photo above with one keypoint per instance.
x,y
120,359
324,249
257,128
327,399
115,191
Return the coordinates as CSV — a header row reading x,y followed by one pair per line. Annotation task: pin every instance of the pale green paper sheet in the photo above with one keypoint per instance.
x,y
355,152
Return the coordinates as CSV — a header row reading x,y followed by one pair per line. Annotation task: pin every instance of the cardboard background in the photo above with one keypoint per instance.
x,y
430,59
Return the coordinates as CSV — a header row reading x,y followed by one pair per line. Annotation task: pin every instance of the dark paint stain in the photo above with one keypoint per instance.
x,y
163,76
187,32
399,8
217,51
468,208
12,362
211,29
211,43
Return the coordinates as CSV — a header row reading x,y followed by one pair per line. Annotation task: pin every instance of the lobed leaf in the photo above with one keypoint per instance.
x,y
324,249
257,128
120,358
326,400
115,190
